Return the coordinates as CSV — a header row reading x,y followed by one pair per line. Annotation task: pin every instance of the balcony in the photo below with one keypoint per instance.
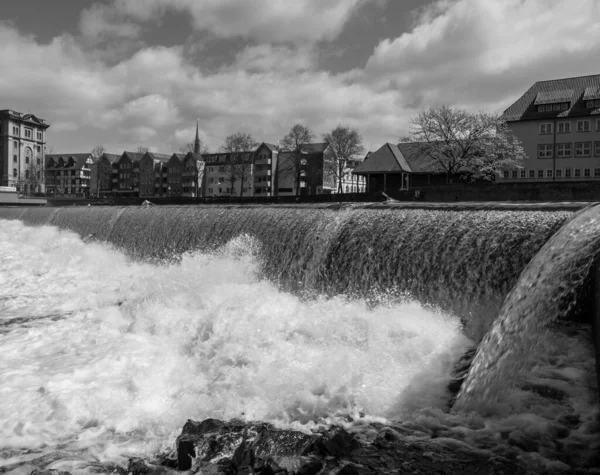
x,y
264,172
115,180
262,161
263,184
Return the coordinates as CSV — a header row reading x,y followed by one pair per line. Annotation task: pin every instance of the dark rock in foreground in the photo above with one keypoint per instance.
x,y
235,447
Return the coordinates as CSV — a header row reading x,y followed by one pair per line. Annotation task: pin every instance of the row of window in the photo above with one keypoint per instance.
x,y
549,173
565,150
28,133
38,148
27,174
563,106
16,159
564,126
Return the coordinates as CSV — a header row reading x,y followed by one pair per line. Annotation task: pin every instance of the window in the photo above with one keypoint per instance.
x,y
523,173
596,172
548,173
531,173
15,130
564,106
596,149
564,127
540,173
583,125
555,107
586,172
39,149
568,173
40,135
545,151
546,128
577,172
514,173
26,173
15,172
15,158
597,124
505,173
559,173
27,160
15,144
28,133
583,149
563,150
592,104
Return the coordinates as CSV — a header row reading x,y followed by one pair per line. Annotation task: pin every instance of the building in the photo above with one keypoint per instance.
x,y
126,174
152,183
307,174
22,151
229,174
351,182
558,123
399,167
101,175
265,169
193,174
68,174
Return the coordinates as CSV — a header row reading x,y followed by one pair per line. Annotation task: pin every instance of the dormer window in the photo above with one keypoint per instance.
x,y
554,107
592,104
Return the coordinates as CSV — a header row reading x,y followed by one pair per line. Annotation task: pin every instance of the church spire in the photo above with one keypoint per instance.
x,y
197,141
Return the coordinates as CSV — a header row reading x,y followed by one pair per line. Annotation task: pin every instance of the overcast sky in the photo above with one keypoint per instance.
x,y
129,73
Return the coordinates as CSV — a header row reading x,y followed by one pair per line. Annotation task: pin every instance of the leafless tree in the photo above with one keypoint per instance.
x,y
241,147
298,136
344,146
189,147
97,152
142,150
474,146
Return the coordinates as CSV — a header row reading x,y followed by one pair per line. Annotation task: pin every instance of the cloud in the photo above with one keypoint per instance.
x,y
101,22
274,21
478,53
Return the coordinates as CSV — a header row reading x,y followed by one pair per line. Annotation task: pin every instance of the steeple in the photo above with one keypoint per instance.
x,y
197,141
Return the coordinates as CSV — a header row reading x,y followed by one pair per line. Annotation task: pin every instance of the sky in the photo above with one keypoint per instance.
x,y
131,73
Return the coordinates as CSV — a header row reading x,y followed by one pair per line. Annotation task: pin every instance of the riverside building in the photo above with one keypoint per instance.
x,y
22,151
68,175
558,122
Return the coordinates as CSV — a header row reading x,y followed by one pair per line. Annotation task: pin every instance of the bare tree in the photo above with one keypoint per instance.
x,y
97,152
298,136
474,146
142,150
241,147
35,179
344,146
189,147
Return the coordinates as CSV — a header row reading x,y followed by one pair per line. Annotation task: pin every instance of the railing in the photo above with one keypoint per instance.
x,y
262,161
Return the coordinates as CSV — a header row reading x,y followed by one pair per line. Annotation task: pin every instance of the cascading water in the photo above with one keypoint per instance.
x,y
112,337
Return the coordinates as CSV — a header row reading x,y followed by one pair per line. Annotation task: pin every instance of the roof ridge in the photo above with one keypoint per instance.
x,y
566,79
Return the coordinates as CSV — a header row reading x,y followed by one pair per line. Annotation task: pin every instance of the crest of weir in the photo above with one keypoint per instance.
x,y
463,261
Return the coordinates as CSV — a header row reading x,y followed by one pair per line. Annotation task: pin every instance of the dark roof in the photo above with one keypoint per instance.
x,y
314,147
387,158
270,146
78,158
133,156
417,159
111,157
575,91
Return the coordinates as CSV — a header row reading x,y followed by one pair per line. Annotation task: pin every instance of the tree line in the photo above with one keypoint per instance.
x,y
463,145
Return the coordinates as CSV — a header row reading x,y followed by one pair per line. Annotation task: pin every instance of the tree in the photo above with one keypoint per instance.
x,y
474,146
97,152
189,147
298,136
344,146
35,179
241,147
142,150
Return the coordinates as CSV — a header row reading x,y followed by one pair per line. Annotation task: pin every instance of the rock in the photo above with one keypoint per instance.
x,y
569,420
336,442
519,439
547,392
311,467
349,469
39,471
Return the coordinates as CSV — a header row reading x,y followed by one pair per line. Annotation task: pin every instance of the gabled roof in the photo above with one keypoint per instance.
x,y
79,159
270,146
314,147
180,156
417,159
386,159
111,157
133,156
571,90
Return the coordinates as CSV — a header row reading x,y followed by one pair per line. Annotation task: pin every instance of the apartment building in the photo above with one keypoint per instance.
x,y
229,174
68,174
306,174
152,182
101,175
126,174
558,122
266,159
22,151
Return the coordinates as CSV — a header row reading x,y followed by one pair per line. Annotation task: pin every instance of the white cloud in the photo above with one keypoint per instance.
x,y
477,52
102,21
303,21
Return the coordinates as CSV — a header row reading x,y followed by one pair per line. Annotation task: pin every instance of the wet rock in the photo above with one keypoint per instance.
x,y
39,471
460,372
336,442
548,392
349,469
518,439
569,420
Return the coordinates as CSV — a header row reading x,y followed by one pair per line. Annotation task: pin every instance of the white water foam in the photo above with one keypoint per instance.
x,y
105,358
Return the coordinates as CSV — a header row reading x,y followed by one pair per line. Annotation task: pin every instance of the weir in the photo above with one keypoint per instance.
x,y
507,273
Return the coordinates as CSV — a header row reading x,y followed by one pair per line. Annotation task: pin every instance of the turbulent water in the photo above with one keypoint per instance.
x,y
117,325
104,358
